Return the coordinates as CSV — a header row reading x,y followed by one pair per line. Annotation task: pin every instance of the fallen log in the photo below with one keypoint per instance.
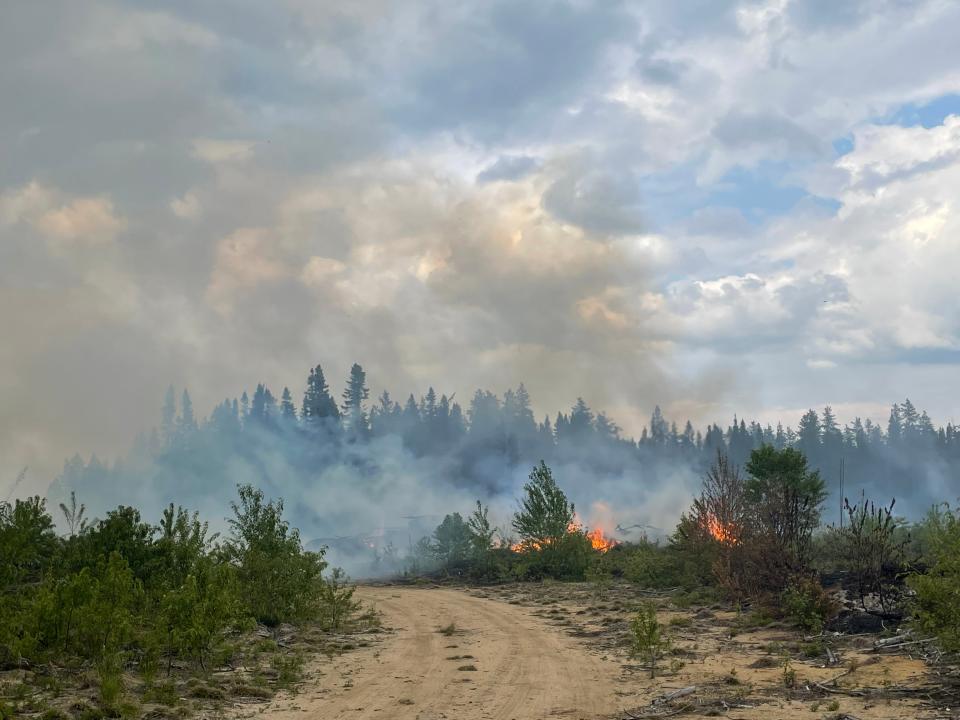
x,y
656,707
668,697
895,640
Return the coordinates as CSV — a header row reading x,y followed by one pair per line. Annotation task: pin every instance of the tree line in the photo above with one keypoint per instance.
x,y
493,435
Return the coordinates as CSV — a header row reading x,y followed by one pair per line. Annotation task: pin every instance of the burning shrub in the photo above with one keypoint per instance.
x,y
545,514
552,543
758,529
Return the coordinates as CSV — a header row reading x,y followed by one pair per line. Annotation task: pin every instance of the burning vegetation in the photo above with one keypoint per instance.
x,y
598,539
754,536
723,533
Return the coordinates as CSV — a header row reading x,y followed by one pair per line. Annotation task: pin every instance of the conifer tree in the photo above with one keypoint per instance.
x,y
168,418
319,407
354,395
288,411
187,422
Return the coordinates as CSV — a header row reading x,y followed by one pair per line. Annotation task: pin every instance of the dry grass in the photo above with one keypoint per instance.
x,y
744,661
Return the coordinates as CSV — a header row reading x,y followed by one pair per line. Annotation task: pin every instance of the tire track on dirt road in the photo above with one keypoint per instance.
x,y
524,669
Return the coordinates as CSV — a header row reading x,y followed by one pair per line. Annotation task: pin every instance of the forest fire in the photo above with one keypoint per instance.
x,y
722,533
598,540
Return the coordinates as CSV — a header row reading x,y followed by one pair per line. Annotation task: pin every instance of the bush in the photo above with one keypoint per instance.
x,y
121,591
757,531
451,544
337,600
280,581
938,591
646,637
550,543
870,547
194,614
805,603
652,565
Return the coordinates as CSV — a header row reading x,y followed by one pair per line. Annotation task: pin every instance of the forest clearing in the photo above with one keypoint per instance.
x,y
750,608
522,651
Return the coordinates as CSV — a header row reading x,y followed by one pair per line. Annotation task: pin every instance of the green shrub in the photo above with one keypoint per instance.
x,y
194,615
646,637
280,581
805,603
336,598
937,608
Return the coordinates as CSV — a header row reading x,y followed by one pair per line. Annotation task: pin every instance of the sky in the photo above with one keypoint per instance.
x,y
722,207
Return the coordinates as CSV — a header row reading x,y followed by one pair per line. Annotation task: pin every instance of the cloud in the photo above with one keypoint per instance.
x,y
617,200
62,220
508,167
186,207
596,198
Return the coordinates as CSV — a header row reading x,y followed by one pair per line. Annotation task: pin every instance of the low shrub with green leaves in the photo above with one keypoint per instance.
x,y
806,604
937,605
119,594
647,641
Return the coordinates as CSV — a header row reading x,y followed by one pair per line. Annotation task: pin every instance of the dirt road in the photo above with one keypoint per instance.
x,y
500,663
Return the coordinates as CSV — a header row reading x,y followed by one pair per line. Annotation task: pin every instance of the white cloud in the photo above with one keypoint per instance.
x,y
60,218
186,207
466,195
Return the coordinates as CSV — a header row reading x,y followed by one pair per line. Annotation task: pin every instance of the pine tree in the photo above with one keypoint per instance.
x,y
383,416
319,408
607,430
288,411
780,439
894,426
524,419
545,514
354,395
484,415
808,435
581,420
258,412
910,421
168,418
658,427
187,423
832,437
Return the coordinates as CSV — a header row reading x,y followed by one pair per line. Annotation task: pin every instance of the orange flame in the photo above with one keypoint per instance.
x,y
598,540
721,533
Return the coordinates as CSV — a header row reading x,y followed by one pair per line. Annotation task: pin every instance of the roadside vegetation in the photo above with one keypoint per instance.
x,y
123,618
753,539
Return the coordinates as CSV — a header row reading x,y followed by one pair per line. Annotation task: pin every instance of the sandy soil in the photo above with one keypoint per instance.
x,y
557,650
500,663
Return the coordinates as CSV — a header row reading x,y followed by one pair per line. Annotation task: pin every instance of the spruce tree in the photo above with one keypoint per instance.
x,y
288,411
354,395
168,418
319,407
187,422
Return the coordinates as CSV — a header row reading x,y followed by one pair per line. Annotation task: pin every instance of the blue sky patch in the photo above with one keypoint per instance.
x,y
843,145
928,115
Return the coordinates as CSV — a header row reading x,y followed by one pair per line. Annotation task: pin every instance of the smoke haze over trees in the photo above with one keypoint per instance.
x,y
368,475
